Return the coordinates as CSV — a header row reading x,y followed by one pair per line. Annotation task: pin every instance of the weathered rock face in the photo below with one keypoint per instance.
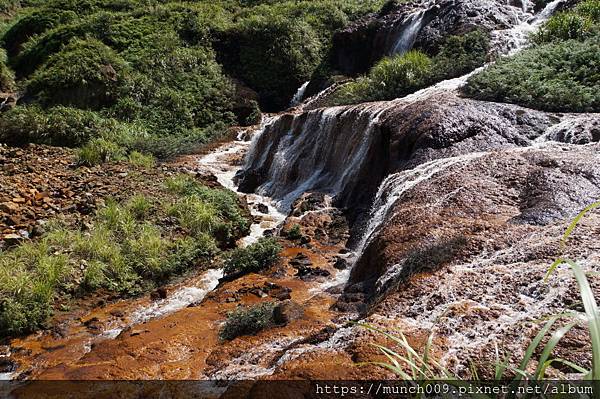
x,y
347,151
474,206
398,27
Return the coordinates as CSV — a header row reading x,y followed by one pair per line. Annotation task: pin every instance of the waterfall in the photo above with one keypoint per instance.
x,y
322,150
410,28
299,96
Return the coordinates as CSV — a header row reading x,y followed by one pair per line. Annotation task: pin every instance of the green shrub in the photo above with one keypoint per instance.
x,y
579,23
273,55
84,74
552,77
60,126
139,206
390,78
7,78
234,221
256,257
247,320
564,26
295,233
459,55
33,24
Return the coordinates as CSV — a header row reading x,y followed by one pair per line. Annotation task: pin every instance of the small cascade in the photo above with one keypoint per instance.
x,y
409,31
397,184
322,150
510,41
299,96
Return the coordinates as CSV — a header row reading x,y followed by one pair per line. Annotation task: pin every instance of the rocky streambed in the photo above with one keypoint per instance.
x,y
432,214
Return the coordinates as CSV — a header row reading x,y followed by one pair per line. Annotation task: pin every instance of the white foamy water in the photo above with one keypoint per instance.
x,y
297,99
410,28
510,41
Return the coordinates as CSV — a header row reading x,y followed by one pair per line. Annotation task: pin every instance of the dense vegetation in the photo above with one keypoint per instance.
x,y
399,75
129,248
155,76
559,73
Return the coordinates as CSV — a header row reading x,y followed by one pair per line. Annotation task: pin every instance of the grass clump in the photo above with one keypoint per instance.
x,y
136,158
256,257
195,214
295,233
230,221
99,151
85,74
247,321
552,77
580,23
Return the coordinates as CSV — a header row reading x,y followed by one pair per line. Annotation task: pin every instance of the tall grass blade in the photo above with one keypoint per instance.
x,y
593,316
556,337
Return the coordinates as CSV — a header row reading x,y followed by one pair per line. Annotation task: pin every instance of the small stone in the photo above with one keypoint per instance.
x,y
159,293
340,263
262,208
287,312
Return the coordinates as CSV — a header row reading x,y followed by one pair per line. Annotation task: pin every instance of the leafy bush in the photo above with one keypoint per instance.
x,y
390,78
61,126
98,151
195,214
552,77
232,221
580,23
7,78
459,55
295,232
273,55
247,320
258,256
142,160
33,24
84,74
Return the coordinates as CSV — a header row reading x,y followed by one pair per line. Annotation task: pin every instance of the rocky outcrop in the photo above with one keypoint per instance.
x,y
400,26
347,151
476,206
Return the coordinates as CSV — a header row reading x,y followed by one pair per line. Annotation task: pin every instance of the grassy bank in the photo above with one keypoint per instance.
x,y
128,248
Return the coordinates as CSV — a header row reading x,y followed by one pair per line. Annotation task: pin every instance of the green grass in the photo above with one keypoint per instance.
x,y
129,248
552,77
230,221
407,363
247,321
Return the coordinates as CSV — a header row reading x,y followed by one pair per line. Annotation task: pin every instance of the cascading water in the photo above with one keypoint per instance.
x,y
397,184
409,31
299,96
